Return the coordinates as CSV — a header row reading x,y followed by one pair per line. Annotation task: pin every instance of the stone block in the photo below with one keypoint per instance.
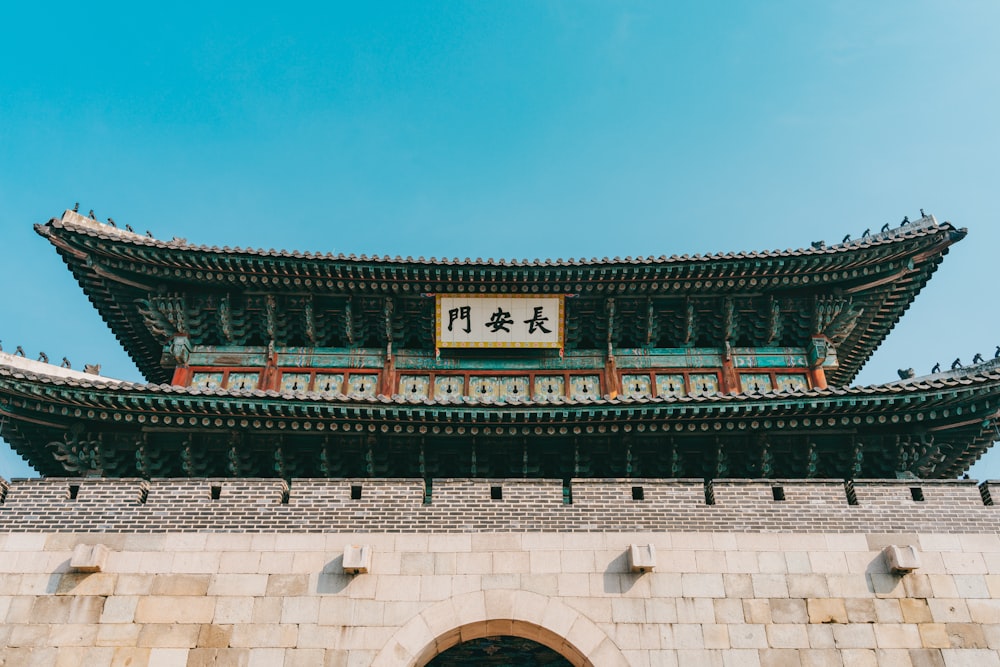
x,y
287,585
918,585
688,636
742,562
300,609
963,563
769,585
901,558
180,584
757,611
211,657
418,563
628,610
445,563
859,657
773,657
235,585
747,635
787,635
703,585
971,586
826,610
136,584
970,658
788,610
728,610
174,609
504,562
78,583
642,557
168,657
357,558
700,657
117,634
261,635
239,562
233,610
897,635
772,562
821,657
27,636
949,610
821,635
915,610
848,586
740,658
926,657
169,635
661,610
887,610
89,558
984,611
860,610
214,636
854,635
887,585
965,635
266,657
50,609
715,635
695,610
542,562
934,635
710,561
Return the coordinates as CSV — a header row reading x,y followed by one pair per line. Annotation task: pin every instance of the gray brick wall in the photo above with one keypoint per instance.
x,y
470,505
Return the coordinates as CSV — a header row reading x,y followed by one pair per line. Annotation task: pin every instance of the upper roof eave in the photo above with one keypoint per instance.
x,y
74,223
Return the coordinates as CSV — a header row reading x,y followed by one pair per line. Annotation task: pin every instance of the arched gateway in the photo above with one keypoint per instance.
x,y
500,613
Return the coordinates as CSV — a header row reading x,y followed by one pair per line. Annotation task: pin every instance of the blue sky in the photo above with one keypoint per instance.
x,y
502,129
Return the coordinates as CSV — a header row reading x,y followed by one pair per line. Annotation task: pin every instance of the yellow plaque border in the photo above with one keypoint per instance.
x,y
555,345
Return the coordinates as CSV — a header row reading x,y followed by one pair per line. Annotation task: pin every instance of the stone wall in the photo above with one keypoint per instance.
x,y
180,588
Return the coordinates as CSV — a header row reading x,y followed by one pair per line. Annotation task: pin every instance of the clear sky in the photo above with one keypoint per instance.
x,y
502,129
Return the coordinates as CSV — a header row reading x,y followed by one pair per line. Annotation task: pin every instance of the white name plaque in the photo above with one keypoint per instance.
x,y
499,321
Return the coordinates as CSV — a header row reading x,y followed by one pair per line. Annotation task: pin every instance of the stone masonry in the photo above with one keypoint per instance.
x,y
236,580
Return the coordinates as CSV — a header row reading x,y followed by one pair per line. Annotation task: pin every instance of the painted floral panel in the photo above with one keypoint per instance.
x,y
583,387
294,382
670,385
637,386
414,387
549,387
449,387
791,382
362,385
755,383
704,384
329,383
211,380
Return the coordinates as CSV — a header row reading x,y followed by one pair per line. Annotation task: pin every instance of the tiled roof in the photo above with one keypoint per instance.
x,y
78,223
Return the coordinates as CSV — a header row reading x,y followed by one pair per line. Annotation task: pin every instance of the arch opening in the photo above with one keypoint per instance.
x,y
498,637
498,651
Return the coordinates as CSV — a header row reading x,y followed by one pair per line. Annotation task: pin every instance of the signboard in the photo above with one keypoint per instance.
x,y
476,320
